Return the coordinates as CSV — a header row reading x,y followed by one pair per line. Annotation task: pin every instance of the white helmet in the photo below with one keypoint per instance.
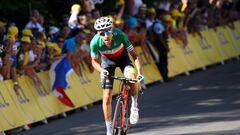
x,y
103,23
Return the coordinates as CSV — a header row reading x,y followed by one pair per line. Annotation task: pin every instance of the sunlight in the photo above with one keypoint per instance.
x,y
198,87
210,102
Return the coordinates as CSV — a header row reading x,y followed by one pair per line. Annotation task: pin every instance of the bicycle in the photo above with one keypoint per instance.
x,y
121,118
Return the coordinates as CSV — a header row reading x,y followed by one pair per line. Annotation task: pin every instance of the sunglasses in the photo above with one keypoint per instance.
x,y
106,32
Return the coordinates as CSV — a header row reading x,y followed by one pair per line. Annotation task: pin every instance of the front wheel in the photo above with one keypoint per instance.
x,y
117,118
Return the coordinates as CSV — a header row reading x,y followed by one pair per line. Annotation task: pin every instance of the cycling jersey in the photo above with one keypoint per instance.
x,y
114,56
120,43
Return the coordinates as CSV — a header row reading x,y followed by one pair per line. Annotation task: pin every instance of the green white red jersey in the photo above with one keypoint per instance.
x,y
120,43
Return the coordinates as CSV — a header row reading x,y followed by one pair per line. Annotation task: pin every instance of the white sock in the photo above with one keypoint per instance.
x,y
109,126
135,102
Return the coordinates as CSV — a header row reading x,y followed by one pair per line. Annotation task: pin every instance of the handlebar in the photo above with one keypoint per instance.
x,y
125,79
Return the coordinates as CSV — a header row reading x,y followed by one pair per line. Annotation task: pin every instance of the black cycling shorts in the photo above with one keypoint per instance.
x,y
111,65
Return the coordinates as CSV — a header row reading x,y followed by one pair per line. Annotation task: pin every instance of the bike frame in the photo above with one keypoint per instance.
x,y
122,110
125,93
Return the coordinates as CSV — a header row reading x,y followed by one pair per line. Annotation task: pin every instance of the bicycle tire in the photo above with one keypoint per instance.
x,y
117,117
127,111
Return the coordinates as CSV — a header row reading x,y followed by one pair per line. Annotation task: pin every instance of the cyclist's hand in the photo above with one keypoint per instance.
x,y
104,73
140,78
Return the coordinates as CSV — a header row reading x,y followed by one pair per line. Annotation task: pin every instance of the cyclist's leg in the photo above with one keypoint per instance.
x,y
107,99
130,72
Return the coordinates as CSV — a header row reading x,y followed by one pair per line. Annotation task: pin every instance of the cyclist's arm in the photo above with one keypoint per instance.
x,y
131,51
96,64
136,60
95,58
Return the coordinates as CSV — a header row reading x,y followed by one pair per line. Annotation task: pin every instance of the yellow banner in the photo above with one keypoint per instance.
x,y
25,102
42,100
1,129
90,84
199,45
176,61
149,68
222,43
214,54
228,47
237,24
234,36
78,93
10,116
191,56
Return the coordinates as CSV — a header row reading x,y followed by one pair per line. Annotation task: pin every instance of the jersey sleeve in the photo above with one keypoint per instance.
x,y
126,42
94,49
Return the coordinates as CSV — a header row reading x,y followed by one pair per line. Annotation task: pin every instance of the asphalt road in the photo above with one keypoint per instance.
x,y
204,103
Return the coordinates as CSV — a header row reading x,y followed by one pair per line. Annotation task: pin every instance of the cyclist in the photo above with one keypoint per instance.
x,y
113,46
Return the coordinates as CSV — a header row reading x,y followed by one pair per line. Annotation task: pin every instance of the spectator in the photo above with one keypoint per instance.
x,y
151,14
27,33
65,32
60,40
131,31
7,57
41,20
119,23
88,6
137,38
9,62
71,48
165,5
179,31
192,12
27,62
96,14
141,15
39,52
203,20
13,30
53,53
73,20
85,50
34,24
84,21
2,32
119,12
133,6
53,33
159,39
227,14
64,21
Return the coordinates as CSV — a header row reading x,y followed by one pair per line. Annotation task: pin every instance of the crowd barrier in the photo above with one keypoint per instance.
x,y
215,46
